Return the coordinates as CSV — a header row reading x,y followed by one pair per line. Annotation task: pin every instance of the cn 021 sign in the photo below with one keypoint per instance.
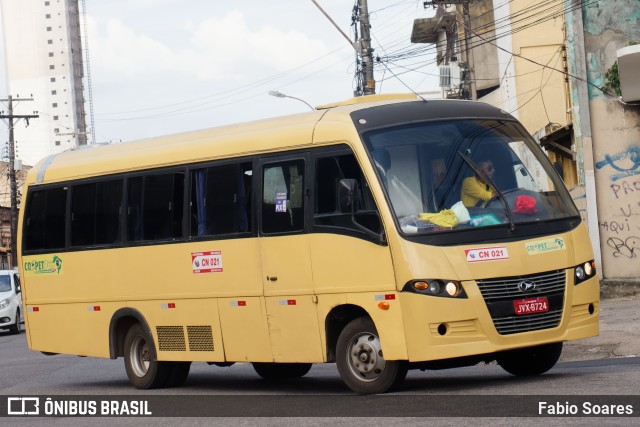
x,y
206,262
493,253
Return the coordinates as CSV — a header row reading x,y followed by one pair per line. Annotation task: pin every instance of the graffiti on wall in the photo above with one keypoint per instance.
x,y
626,162
621,226
629,247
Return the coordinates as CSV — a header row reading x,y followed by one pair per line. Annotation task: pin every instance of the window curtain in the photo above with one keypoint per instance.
x,y
201,181
241,207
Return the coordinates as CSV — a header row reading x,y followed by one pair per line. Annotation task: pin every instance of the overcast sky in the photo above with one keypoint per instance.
x,y
167,66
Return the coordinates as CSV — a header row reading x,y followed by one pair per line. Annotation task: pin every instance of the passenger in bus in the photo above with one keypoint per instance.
x,y
475,192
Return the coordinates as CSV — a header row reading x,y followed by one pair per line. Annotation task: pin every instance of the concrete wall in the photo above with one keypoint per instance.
x,y
616,136
485,54
615,128
541,91
534,94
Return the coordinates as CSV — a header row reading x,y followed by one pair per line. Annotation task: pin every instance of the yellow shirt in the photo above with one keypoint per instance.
x,y
473,191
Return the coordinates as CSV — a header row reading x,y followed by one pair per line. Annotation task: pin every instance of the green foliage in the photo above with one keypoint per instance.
x,y
612,80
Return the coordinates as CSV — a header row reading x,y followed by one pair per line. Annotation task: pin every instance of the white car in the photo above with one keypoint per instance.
x,y
10,301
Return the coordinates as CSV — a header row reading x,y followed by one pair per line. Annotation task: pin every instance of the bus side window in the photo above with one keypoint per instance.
x,y
282,197
155,207
45,219
219,199
329,171
95,213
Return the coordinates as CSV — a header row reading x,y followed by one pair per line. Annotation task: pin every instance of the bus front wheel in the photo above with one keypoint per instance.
x,y
531,360
142,370
360,362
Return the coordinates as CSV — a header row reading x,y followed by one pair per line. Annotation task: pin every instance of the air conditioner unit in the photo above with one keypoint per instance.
x,y
450,75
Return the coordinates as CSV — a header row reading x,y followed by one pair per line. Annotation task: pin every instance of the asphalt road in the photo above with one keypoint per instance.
x,y
243,398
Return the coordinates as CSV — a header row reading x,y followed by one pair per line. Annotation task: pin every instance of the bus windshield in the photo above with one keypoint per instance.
x,y
462,174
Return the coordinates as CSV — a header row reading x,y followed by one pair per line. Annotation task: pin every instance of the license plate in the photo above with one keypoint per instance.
x,y
531,305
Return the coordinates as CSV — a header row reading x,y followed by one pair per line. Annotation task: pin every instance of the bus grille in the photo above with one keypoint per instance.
x,y
500,293
171,338
200,338
532,322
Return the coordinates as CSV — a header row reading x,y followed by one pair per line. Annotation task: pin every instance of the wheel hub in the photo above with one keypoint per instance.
x,y
140,356
365,358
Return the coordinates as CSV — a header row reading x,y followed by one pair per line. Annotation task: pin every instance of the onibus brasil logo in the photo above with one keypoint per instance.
x,y
42,266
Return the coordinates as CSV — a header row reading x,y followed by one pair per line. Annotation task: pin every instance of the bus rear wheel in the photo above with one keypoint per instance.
x,y
281,371
360,362
142,370
179,373
531,360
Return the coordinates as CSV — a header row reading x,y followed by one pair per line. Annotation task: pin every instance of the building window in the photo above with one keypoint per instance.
x,y
48,16
48,28
55,117
54,105
56,130
57,143
50,54
49,41
54,92
51,67
53,79
47,3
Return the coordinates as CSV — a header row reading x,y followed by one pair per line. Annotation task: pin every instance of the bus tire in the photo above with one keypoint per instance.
x,y
179,373
142,370
15,329
360,362
531,360
281,371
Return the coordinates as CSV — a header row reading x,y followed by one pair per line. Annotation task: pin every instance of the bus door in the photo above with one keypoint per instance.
x,y
286,263
347,253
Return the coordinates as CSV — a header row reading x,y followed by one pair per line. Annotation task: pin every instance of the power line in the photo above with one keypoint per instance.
x,y
566,73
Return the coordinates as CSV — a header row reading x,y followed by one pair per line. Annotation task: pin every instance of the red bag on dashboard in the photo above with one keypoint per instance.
x,y
525,205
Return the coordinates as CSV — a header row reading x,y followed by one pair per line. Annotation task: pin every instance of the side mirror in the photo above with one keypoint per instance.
x,y
347,189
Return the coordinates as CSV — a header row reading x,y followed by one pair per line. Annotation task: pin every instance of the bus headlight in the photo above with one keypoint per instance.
x,y
584,272
436,288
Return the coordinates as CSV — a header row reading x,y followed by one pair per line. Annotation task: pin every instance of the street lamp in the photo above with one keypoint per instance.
x,y
282,95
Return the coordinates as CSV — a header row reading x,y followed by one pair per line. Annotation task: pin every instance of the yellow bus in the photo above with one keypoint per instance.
x,y
338,235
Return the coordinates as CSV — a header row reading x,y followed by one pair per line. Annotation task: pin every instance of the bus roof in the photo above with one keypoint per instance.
x,y
236,140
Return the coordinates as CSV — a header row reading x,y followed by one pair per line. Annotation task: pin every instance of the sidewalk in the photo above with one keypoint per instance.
x,y
619,328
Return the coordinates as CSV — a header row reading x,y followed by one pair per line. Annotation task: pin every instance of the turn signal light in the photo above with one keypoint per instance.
x,y
383,305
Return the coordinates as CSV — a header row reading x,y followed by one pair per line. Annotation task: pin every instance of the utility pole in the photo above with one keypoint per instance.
x,y
12,171
366,51
469,50
467,34
362,46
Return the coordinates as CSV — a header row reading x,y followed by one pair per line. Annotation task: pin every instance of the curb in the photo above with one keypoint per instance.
x,y
616,288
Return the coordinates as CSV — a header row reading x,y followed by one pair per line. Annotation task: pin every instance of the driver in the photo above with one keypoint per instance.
x,y
475,191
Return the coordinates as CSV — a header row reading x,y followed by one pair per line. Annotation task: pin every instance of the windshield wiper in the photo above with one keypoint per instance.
x,y
478,171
